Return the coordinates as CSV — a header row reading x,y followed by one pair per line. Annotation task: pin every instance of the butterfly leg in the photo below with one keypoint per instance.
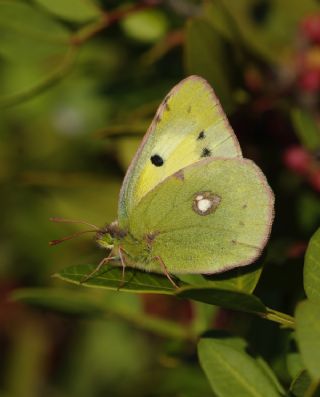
x,y
96,270
121,251
165,271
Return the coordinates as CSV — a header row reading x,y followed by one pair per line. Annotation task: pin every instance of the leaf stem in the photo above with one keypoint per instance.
x,y
55,76
281,318
107,19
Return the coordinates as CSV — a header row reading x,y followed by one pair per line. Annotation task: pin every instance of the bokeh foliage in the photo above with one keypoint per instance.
x,y
80,81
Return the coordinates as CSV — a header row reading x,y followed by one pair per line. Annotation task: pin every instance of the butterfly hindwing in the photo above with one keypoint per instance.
x,y
211,216
189,125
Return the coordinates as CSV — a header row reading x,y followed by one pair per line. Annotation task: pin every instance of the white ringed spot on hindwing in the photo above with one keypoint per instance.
x,y
204,203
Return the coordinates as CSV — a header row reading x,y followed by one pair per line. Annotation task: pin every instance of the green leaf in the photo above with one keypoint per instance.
x,y
36,51
242,279
311,271
232,372
72,10
224,337
241,344
235,300
300,384
111,278
80,302
308,336
60,300
205,55
219,19
306,128
147,26
18,19
23,84
264,366
308,211
266,28
293,363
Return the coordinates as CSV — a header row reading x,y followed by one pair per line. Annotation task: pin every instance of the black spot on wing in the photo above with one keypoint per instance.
x,y
206,152
157,160
201,136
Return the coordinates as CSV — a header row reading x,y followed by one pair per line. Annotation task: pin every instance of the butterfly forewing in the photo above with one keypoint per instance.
x,y
189,125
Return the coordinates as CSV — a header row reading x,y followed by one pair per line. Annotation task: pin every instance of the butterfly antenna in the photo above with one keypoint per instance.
x,y
74,235
61,240
63,220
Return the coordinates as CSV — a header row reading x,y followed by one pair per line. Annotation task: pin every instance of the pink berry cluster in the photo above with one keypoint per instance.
x,y
309,58
303,163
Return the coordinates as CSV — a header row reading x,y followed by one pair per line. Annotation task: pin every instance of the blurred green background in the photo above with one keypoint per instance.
x,y
79,84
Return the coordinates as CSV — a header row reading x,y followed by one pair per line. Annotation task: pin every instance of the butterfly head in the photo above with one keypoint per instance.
x,y
108,236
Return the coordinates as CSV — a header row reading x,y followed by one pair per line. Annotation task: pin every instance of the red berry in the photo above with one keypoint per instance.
x,y
311,27
309,80
297,159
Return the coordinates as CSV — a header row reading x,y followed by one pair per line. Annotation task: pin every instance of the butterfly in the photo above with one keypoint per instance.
x,y
190,202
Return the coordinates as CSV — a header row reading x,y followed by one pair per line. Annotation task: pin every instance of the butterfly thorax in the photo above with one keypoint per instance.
x,y
112,237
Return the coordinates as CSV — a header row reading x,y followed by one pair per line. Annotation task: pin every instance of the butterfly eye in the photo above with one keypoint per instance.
x,y
157,160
